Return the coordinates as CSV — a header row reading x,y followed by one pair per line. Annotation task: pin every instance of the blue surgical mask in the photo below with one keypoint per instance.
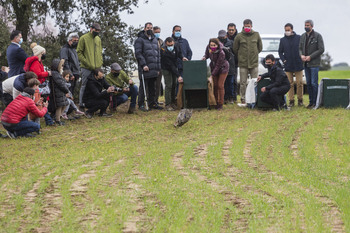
x,y
157,35
20,41
177,34
170,48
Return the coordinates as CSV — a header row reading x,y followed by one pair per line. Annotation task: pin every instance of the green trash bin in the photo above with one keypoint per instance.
x,y
195,89
336,93
263,83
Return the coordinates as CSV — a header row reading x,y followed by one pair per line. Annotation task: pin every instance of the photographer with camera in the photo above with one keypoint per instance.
x,y
97,94
124,88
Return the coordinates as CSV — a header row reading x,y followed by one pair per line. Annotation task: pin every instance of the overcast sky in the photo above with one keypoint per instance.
x,y
202,19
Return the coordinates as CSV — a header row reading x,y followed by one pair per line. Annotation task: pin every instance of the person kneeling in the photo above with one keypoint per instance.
x,y
119,79
274,93
97,94
14,118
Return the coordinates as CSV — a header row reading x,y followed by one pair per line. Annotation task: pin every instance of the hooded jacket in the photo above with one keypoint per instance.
x,y
278,77
314,48
147,54
95,89
289,53
71,61
246,47
169,59
33,64
89,51
19,108
218,64
58,87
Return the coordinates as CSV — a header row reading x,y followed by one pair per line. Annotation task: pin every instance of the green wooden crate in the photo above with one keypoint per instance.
x,y
335,93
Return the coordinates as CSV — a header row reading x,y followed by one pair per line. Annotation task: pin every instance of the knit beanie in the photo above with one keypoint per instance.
x,y
38,50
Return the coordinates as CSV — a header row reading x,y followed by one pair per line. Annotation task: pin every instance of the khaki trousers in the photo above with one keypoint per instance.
x,y
299,82
243,82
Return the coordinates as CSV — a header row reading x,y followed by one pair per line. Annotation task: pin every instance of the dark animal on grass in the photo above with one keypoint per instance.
x,y
183,117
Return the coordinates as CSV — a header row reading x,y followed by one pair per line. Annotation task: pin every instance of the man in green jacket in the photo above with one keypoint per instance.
x,y
246,47
90,56
118,78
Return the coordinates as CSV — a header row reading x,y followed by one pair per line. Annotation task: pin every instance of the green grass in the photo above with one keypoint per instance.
x,y
335,74
236,170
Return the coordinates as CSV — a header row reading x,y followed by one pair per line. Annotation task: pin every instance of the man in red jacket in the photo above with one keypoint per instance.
x,y
14,118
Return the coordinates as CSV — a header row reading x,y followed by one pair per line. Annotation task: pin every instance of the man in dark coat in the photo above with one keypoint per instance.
x,y
311,48
279,86
184,45
16,56
229,82
97,94
231,35
148,58
289,55
70,56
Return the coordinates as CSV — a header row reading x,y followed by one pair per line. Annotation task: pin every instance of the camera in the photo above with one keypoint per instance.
x,y
117,89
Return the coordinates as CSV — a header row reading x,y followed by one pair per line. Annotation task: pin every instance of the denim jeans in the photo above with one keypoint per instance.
x,y
229,88
311,74
23,127
119,99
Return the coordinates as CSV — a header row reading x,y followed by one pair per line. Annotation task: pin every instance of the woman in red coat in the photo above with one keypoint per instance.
x,y
219,69
35,64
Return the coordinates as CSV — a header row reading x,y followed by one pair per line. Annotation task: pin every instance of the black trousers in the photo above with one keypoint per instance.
x,y
98,104
150,84
274,96
6,99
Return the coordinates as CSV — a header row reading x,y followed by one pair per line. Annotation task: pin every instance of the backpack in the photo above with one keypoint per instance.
x,y
227,53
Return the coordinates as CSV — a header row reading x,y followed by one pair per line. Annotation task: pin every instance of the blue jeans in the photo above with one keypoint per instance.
x,y
23,127
119,99
311,74
229,88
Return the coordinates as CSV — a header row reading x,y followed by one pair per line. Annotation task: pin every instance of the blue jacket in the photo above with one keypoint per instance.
x,y
20,83
147,53
16,58
185,48
289,53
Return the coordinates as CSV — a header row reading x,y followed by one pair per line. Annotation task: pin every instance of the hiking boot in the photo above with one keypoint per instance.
x,y
157,107
131,110
88,115
143,109
300,103
291,103
11,135
169,108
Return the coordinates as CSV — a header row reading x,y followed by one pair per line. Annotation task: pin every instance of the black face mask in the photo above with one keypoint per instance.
x,y
115,74
74,44
149,32
94,33
222,40
43,57
307,29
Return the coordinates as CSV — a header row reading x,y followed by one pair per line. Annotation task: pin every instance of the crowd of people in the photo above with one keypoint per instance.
x,y
30,92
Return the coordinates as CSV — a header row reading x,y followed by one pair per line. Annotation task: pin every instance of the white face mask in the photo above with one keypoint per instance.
x,y
288,33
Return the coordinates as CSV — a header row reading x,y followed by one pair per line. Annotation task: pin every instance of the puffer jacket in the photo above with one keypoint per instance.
x,y
246,48
58,87
19,108
289,53
147,54
315,48
20,83
33,64
218,64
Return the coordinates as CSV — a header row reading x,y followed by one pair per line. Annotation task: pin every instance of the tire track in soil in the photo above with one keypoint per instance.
x,y
332,216
230,197
138,196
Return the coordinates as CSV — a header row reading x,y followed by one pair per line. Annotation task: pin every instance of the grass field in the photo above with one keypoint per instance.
x,y
236,170
335,74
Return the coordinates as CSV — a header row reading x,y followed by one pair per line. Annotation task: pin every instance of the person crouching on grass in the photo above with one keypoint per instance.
x,y
14,118
170,53
219,67
67,75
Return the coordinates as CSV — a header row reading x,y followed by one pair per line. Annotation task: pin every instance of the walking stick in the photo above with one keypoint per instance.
x,y
144,91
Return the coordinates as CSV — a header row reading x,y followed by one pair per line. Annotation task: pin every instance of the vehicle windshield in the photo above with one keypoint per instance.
x,y
270,44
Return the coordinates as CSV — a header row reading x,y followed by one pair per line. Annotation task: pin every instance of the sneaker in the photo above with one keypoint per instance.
x,y
64,116
169,108
11,135
291,104
157,107
131,110
300,103
105,115
88,115
310,106
78,112
143,109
